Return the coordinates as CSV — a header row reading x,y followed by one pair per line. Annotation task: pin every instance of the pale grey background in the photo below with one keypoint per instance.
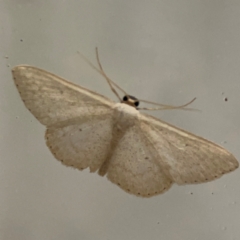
x,y
164,51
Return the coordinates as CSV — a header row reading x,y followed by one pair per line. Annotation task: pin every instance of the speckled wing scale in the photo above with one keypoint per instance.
x,y
139,153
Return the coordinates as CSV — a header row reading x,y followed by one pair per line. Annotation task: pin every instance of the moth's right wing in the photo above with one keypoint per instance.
x,y
185,157
55,101
134,165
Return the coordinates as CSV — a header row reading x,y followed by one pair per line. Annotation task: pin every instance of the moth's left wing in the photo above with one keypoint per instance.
x,y
186,158
55,101
83,144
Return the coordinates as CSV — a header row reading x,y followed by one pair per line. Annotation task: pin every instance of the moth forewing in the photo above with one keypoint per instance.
x,y
53,100
189,158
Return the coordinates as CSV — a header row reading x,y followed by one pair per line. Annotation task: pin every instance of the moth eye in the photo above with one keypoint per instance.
x,y
125,98
136,103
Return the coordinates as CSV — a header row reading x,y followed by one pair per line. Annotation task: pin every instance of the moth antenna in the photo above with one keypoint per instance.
x,y
110,82
101,71
169,107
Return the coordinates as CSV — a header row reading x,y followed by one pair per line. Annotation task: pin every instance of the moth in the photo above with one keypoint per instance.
x,y
140,153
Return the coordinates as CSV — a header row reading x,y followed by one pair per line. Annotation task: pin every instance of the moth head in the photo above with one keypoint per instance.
x,y
131,101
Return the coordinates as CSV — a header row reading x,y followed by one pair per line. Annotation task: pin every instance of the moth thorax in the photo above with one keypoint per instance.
x,y
125,116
